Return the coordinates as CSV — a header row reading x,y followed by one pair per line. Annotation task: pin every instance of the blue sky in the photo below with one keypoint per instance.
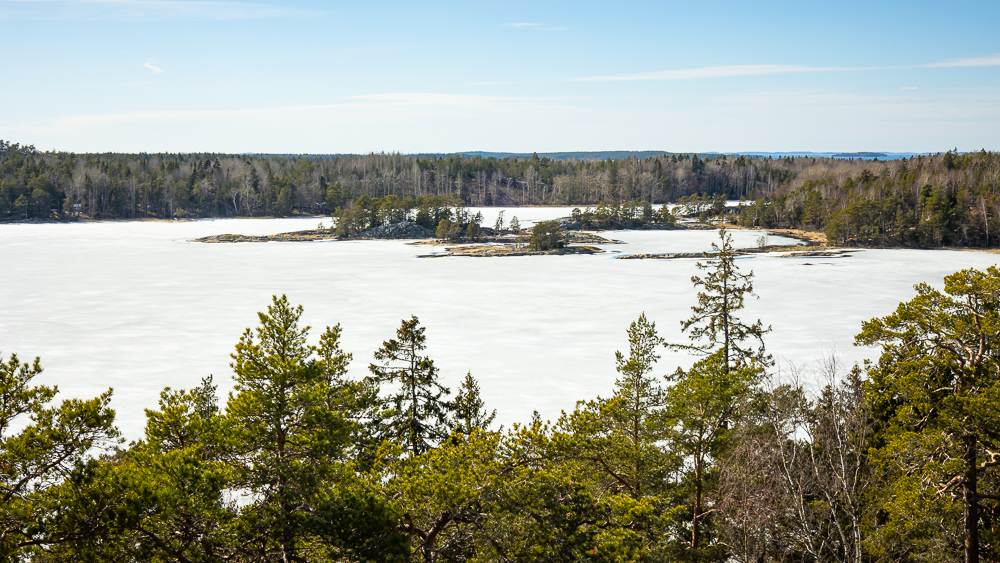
x,y
325,77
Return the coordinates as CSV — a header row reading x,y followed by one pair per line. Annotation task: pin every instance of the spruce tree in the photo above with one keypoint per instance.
x,y
714,325
468,410
415,414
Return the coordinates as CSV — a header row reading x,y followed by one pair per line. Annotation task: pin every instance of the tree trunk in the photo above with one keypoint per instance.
x,y
970,501
725,318
695,529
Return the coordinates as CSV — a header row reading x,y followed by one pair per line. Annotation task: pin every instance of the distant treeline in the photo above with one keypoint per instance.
x,y
937,200
941,200
124,186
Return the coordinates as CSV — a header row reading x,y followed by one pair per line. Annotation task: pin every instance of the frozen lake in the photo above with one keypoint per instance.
x,y
135,306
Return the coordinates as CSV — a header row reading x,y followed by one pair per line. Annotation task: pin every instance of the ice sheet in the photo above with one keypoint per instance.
x,y
135,306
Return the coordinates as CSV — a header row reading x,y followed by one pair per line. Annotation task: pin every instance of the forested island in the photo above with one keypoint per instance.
x,y
725,460
941,200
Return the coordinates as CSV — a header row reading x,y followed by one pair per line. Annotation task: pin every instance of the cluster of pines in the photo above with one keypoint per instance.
x,y
898,460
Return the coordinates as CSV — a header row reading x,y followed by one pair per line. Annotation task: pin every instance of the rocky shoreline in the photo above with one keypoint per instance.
x,y
823,252
491,251
295,236
395,231
496,245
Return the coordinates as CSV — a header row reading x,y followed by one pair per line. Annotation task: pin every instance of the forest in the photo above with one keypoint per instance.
x,y
730,459
928,201
127,186
948,199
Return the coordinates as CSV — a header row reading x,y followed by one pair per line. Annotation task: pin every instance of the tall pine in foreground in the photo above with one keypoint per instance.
x,y
714,326
621,445
415,413
706,401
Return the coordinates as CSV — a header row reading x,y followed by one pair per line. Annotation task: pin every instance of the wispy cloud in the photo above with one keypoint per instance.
x,y
144,10
149,64
771,69
987,60
384,107
907,87
712,72
415,121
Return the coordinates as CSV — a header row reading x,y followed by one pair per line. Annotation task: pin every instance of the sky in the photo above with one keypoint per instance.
x,y
359,77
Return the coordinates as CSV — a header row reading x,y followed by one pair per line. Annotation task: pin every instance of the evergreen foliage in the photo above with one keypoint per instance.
x,y
468,409
415,413
935,396
44,457
714,325
289,448
546,235
927,201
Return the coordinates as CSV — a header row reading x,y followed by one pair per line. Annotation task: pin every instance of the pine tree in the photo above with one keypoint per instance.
x,y
163,498
416,413
292,447
714,324
44,452
934,396
620,446
705,401
703,405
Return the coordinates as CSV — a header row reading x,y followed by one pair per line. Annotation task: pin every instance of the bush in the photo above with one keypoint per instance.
x,y
473,232
546,235
447,229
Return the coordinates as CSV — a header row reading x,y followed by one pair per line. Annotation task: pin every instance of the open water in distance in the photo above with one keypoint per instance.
x,y
136,306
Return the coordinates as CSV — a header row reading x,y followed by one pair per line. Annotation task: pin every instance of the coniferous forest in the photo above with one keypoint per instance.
x,y
948,199
728,459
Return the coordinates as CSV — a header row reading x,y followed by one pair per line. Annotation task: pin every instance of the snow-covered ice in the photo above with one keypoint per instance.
x,y
136,306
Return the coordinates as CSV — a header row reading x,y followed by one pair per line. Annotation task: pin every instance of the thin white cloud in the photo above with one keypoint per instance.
x,y
771,69
711,72
149,64
907,87
385,107
431,122
144,10
987,60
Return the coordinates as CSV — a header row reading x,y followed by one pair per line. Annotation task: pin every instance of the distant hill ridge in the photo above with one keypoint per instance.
x,y
578,155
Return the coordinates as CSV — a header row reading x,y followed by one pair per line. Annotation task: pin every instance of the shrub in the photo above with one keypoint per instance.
x,y
546,235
